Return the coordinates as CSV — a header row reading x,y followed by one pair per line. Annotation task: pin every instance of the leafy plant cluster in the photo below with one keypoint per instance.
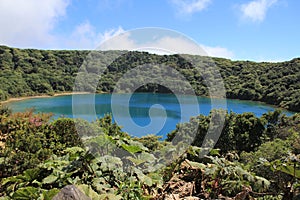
x,y
267,146
38,157
25,72
240,132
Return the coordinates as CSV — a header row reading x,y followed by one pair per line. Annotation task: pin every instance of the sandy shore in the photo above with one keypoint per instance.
x,y
41,96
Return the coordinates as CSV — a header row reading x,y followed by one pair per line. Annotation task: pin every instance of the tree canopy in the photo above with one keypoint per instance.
x,y
25,72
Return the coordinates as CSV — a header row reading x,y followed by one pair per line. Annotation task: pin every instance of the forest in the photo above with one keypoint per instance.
x,y
27,72
254,157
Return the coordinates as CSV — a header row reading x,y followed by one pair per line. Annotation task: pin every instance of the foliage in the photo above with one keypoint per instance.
x,y
5,110
24,136
109,127
213,178
241,132
40,156
151,142
66,162
273,159
25,72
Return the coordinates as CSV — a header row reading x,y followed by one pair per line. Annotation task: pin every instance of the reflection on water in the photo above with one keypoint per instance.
x,y
139,106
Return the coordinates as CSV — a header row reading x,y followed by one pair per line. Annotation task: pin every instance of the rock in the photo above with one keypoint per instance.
x,y
70,192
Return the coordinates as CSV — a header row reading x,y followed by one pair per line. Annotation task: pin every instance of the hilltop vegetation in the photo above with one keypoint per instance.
x,y
25,72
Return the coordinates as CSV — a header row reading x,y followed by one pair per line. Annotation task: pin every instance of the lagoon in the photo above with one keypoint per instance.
x,y
165,110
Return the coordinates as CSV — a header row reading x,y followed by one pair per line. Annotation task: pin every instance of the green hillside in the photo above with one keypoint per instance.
x,y
26,72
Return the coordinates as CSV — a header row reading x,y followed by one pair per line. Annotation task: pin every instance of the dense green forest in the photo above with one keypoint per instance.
x,y
255,157
25,72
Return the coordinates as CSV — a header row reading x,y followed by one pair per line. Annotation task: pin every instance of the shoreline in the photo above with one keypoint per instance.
x,y
13,99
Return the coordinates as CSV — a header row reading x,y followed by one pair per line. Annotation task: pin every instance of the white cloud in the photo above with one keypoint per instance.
x,y
30,22
111,33
256,10
178,45
122,41
164,45
218,52
190,6
85,36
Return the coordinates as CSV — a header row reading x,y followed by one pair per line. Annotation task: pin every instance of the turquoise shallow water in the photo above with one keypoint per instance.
x,y
166,110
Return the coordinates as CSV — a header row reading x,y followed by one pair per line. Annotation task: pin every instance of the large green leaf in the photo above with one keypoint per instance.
x,y
143,157
143,178
74,152
48,195
27,193
288,168
88,191
101,185
110,163
197,165
31,174
12,179
50,179
110,197
131,149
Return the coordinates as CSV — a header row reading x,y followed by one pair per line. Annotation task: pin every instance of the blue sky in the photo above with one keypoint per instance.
x,y
260,30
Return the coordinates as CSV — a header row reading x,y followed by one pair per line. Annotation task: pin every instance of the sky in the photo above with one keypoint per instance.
x,y
258,30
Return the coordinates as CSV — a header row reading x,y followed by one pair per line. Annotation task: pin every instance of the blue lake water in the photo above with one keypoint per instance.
x,y
141,113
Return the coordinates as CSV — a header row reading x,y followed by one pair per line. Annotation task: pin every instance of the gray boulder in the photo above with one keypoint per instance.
x,y
70,192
